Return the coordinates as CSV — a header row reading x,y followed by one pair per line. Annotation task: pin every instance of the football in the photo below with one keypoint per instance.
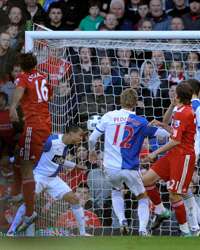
x,y
93,121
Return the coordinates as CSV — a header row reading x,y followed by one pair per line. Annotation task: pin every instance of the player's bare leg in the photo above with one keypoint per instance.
x,y
143,213
77,210
179,208
28,190
161,213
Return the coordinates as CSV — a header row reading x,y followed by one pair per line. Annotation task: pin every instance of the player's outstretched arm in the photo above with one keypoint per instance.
x,y
91,145
17,95
151,157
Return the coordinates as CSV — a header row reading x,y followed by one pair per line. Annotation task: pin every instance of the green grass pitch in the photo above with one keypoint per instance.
x,y
101,243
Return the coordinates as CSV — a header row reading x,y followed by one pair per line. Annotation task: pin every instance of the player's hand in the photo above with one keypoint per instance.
x,y
93,157
155,123
149,158
79,166
13,115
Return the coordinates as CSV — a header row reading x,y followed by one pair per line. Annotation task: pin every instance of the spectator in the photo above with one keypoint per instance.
x,y
192,19
100,191
192,66
9,86
34,11
7,57
176,72
143,9
55,17
93,20
154,92
70,9
95,102
124,63
110,22
179,9
161,20
110,77
68,220
135,84
16,39
177,23
158,58
131,12
117,7
16,17
84,69
145,25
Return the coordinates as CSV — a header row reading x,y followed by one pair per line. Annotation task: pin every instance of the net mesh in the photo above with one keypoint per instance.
x,y
87,78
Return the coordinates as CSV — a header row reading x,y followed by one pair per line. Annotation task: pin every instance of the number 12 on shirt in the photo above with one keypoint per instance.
x,y
127,136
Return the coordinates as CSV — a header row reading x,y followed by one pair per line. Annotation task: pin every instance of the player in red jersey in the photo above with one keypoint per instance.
x,y
177,166
32,93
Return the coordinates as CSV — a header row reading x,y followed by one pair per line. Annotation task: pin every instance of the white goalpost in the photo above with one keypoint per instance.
x,y
88,71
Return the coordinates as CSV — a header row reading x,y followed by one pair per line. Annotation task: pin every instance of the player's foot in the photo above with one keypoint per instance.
x,y
10,234
183,234
124,228
86,235
196,232
159,218
27,222
144,233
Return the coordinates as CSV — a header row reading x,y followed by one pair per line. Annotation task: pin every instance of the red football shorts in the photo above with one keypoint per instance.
x,y
32,141
176,169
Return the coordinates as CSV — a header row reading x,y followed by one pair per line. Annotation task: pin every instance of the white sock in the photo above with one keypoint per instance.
x,y
30,231
184,228
18,218
80,218
191,211
143,214
118,205
198,212
159,209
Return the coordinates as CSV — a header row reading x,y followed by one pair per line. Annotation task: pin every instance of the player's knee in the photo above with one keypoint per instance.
x,y
142,196
174,197
149,178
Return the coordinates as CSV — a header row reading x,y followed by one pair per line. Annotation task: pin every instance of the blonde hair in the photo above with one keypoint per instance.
x,y
128,98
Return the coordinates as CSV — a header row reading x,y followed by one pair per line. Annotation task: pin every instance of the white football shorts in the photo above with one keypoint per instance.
x,y
54,186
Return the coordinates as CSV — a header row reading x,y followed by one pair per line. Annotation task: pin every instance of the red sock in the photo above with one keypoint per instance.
x,y
153,193
28,189
17,185
180,212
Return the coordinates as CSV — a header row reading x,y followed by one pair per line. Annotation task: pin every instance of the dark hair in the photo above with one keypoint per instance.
x,y
72,128
94,3
5,96
195,84
143,2
184,92
28,61
54,5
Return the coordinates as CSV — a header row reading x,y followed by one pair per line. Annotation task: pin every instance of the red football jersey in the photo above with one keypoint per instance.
x,y
184,127
34,102
56,68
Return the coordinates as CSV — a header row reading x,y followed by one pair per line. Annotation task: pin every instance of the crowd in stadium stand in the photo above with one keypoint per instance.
x,y
97,77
